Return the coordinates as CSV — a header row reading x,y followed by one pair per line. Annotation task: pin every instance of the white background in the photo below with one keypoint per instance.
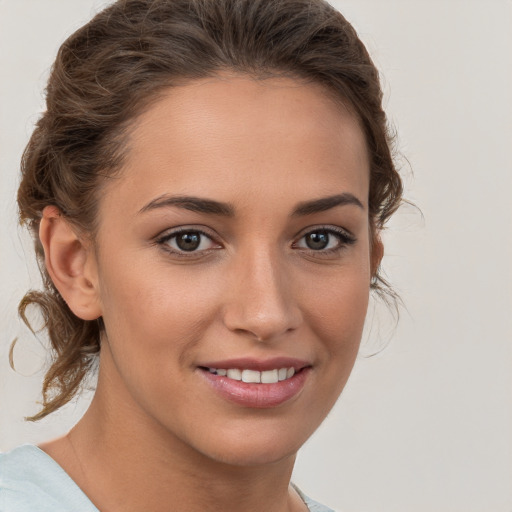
x,y
426,424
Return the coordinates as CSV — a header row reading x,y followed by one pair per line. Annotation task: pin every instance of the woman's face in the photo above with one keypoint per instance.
x,y
235,245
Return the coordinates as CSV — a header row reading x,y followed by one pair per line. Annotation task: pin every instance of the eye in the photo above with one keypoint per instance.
x,y
325,240
187,241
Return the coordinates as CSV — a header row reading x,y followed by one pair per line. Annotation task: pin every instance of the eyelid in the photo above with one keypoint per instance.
x,y
344,236
332,228
162,239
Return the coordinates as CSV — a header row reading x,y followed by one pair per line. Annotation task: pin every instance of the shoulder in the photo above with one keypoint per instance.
x,y
313,506
31,480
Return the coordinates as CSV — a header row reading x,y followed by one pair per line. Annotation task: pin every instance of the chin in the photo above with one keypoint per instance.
x,y
256,445
255,454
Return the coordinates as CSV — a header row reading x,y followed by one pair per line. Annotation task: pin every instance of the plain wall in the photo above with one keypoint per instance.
x,y
426,424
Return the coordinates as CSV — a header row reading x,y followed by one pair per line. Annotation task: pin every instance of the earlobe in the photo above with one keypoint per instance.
x,y
70,263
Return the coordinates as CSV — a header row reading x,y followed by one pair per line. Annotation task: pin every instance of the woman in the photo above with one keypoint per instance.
x,y
206,191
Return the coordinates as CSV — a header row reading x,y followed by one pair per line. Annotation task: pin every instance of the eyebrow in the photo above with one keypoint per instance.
x,y
195,204
201,205
326,203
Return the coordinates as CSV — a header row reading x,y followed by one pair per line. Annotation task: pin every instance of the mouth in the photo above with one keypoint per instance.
x,y
254,376
256,384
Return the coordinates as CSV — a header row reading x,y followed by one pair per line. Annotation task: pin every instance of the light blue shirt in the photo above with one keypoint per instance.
x,y
31,481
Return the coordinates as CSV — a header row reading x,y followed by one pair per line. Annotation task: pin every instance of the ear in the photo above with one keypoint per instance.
x,y
71,264
377,254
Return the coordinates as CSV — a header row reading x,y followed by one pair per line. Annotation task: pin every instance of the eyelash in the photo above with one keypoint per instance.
x,y
345,239
164,240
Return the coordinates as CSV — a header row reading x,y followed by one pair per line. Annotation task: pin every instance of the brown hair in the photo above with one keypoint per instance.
x,y
108,71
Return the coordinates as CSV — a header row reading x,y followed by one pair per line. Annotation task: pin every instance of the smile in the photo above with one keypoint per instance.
x,y
254,376
257,384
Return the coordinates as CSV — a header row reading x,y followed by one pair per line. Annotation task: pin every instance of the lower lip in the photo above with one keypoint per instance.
x,y
258,396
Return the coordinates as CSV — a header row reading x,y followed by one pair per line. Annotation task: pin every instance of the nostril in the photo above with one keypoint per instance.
x,y
261,309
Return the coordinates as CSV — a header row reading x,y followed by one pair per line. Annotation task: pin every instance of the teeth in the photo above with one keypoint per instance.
x,y
234,374
269,377
253,376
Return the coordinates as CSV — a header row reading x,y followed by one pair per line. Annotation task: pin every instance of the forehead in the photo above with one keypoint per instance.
x,y
237,135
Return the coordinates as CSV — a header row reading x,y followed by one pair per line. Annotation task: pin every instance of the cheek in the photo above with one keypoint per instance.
x,y
153,322
339,322
155,310
338,303
336,317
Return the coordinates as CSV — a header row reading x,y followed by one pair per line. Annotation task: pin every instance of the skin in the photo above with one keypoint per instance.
x,y
254,289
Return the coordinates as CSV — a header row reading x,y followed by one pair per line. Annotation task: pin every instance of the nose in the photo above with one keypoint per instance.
x,y
262,303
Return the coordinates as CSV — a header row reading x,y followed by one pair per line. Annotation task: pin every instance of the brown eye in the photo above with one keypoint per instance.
x,y
317,240
188,241
325,240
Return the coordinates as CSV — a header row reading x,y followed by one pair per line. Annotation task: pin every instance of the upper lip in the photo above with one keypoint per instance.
x,y
247,363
